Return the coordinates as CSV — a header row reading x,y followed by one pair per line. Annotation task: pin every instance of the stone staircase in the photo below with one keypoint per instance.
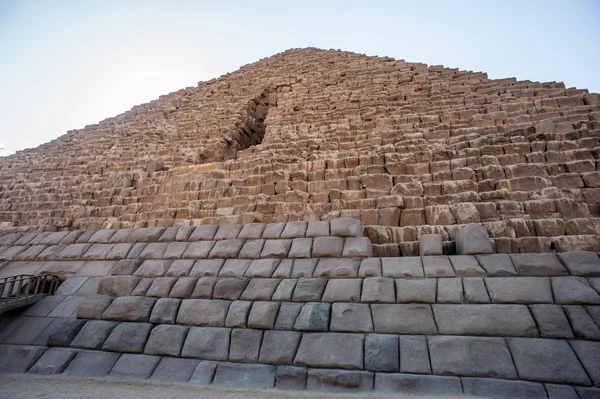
x,y
305,305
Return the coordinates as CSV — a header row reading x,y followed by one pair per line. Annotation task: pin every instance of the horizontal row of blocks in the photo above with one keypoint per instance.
x,y
75,362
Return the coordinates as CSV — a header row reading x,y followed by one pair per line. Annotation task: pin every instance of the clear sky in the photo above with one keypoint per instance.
x,y
67,64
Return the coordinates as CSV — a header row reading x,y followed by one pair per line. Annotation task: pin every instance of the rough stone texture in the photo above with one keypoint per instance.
x,y
19,358
53,361
337,268
573,291
473,240
92,364
263,314
310,289
414,354
314,316
93,334
402,267
166,340
333,350
279,347
551,321
290,377
238,314
64,331
466,266
589,355
342,290
327,247
378,290
581,263
471,356
339,380
207,343
202,312
430,244
134,366
416,290
128,337
174,370
437,266
129,308
381,352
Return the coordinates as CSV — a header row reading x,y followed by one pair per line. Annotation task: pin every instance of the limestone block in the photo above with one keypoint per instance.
x,y
378,290
175,250
136,250
56,237
183,288
142,287
70,285
255,376
495,320
119,236
475,290
169,235
415,290
146,234
303,268
229,288
370,267
279,347
238,314
581,263
284,270
203,233
126,267
252,231
263,315
417,384
588,354
98,251
290,377
53,361
260,289
180,268
437,266
527,290
93,334
204,372
119,251
409,266
252,249
165,311
403,319
581,322
504,388
473,240
207,343
339,380
134,366
63,331
294,230
166,340
301,248
284,290
24,253
44,306
414,354
286,318
309,290
471,356
234,268
130,308
51,252
94,306
96,268
331,350
262,268
198,250
91,364
551,321
117,285
381,352
466,266
203,312
342,290
154,250
128,337
245,345
228,232
317,229
547,360
357,247
497,265
71,252
544,264
207,268
226,249
153,268
314,316
350,317
573,291
345,227
174,370
339,267
273,230
183,234
276,249
27,331
430,244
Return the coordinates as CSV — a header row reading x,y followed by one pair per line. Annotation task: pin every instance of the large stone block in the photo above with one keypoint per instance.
x,y
417,384
527,290
174,370
53,361
134,366
381,352
345,227
403,319
410,266
166,340
551,321
203,312
327,247
19,358
94,306
544,264
245,376
128,337
207,343
473,240
93,334
245,345
573,291
263,315
338,267
581,263
339,380
497,265
309,290
415,290
91,364
349,317
331,350
279,347
342,290
490,387
414,355
130,308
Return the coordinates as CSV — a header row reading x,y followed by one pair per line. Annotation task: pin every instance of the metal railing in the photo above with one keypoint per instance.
x,y
24,289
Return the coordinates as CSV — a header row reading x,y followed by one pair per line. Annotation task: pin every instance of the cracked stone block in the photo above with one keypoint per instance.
x,y
350,317
262,268
161,287
174,370
134,366
183,287
142,287
234,268
547,360
185,232
494,320
284,290
165,311
203,233
207,268
180,268
228,232
403,319
381,352
346,227
276,249
273,230
378,290
93,334
128,337
19,358
573,291
252,249
120,251
120,235
588,354
475,290
471,356
203,312
130,308
136,251
260,289
314,316
466,266
581,322
342,290
415,290
53,361
198,250
255,376
166,340
407,384
301,248
339,267
309,290
91,364
288,312
175,250
126,267
263,315
70,285
117,285
207,343
245,345
473,240
527,290
542,264
229,288
430,244
154,250
93,307
414,354
581,263
409,266
153,268
226,249
238,314
303,268
169,235
339,380
551,321
497,265
501,388
331,350
279,347
327,247
370,267
291,378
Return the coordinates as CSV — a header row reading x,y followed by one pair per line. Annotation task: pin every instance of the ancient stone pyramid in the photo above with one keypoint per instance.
x,y
319,220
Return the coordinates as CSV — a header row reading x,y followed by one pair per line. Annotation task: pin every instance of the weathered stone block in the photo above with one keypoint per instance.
x,y
403,319
128,337
497,265
381,352
174,370
410,266
91,364
417,384
279,347
130,308
551,321
263,315
503,388
207,343
415,290
331,350
327,247
53,361
245,345
203,312
165,311
245,376
226,249
430,244
166,340
93,334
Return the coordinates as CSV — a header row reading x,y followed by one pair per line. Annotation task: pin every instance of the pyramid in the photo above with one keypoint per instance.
x,y
318,220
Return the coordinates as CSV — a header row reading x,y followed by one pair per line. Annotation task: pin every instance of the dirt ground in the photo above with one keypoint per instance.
x,y
27,386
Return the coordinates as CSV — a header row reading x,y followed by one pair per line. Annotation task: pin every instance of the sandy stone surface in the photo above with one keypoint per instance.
x,y
19,386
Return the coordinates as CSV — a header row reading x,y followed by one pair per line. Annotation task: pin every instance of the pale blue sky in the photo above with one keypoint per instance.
x,y
66,64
